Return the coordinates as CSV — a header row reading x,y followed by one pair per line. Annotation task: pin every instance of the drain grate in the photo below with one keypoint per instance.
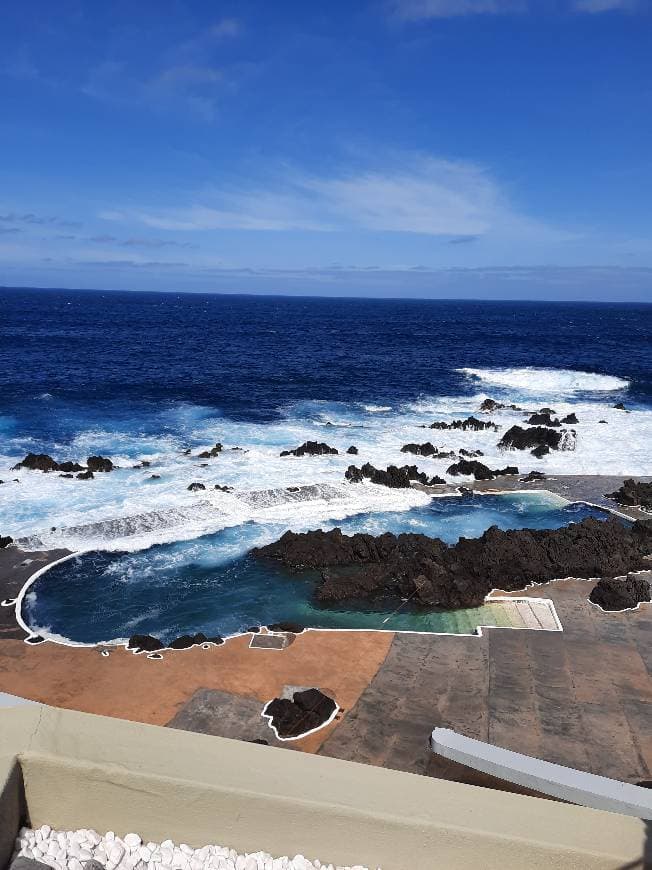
x,y
269,641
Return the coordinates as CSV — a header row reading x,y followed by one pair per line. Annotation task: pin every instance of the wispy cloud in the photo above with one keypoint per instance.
x,y
415,194
36,220
189,75
418,10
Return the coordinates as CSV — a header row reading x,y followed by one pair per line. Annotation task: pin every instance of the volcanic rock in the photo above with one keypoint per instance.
x,y
308,710
99,463
352,451
470,454
188,640
37,462
66,475
548,411
293,627
471,423
210,454
542,419
533,475
493,405
394,477
85,475
634,493
69,466
433,574
223,488
196,486
426,449
571,419
5,541
311,448
479,470
621,593
518,438
619,406
144,643
155,477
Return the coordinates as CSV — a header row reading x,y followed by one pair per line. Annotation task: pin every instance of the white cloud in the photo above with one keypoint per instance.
x,y
596,6
225,28
417,195
418,10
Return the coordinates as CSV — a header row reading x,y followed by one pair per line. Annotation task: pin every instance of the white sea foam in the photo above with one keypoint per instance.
x,y
128,509
542,381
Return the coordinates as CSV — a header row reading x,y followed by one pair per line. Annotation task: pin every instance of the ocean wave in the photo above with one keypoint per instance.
x,y
542,381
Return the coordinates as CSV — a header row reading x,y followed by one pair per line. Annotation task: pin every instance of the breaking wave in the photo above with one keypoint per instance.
x,y
552,382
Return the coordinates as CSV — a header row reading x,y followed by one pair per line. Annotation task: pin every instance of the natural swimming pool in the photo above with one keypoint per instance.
x,y
212,584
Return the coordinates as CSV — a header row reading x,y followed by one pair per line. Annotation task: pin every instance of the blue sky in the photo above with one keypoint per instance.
x,y
479,148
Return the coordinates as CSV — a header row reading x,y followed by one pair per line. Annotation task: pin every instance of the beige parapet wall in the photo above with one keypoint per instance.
x,y
79,770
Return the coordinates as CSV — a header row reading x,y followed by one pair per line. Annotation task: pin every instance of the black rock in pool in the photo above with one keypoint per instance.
x,y
432,574
621,593
306,711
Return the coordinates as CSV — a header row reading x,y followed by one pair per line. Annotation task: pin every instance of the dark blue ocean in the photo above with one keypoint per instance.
x,y
147,377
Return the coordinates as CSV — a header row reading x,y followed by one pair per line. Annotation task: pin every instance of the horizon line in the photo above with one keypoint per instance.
x,y
263,295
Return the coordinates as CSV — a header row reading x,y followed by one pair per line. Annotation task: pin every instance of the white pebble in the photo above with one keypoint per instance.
x,y
132,840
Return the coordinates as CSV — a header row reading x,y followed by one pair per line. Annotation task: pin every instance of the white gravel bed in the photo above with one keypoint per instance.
x,y
71,850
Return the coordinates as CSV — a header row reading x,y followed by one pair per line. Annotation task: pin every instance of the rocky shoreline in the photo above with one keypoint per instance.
x,y
432,574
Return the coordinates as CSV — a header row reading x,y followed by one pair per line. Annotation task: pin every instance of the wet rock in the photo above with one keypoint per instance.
x,y
470,454
433,574
426,449
471,423
603,421
621,593
570,419
311,448
223,488
634,493
186,641
306,711
34,639
212,453
70,466
187,451
292,627
155,477
144,643
547,411
492,405
393,477
253,629
352,451
537,437
541,451
479,470
533,475
99,463
85,475
67,475
194,487
620,407
542,419
5,541
37,462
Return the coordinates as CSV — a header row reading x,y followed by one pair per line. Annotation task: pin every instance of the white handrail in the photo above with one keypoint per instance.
x,y
565,783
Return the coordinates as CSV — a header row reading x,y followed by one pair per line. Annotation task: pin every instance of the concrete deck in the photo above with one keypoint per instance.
x,y
581,697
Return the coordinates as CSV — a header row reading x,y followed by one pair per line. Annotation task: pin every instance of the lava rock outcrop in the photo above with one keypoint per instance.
x,y
311,448
430,573
479,470
634,493
621,593
393,476
471,423
539,439
306,711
